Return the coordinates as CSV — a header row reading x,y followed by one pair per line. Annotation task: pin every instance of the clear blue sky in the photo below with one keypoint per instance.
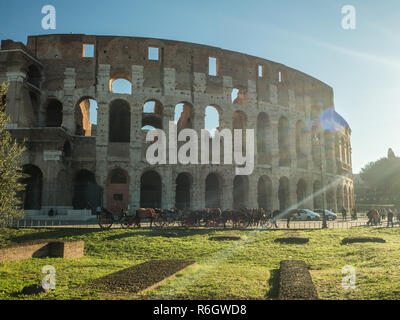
x,y
362,65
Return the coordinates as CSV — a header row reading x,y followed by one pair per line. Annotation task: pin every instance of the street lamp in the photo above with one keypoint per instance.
x,y
317,141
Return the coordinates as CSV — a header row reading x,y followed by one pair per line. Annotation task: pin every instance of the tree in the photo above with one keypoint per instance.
x,y
391,154
382,178
10,171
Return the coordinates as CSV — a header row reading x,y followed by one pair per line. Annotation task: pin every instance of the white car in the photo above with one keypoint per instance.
x,y
329,214
305,215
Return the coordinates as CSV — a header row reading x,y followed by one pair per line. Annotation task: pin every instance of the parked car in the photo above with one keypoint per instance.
x,y
329,214
305,215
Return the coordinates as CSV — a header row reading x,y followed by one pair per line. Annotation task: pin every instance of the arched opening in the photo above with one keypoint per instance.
x,y
263,128
182,191
300,145
213,191
54,113
239,96
119,121
85,117
283,194
32,195
264,193
121,85
212,118
240,192
301,193
87,194
34,76
152,116
184,115
284,142
118,190
317,195
150,190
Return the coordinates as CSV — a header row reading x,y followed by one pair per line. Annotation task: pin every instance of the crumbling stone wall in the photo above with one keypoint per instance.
x,y
180,75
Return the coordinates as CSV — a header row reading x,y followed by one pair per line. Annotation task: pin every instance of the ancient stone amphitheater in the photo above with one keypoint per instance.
x,y
302,147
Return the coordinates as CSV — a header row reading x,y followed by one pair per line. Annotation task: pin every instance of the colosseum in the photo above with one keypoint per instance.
x,y
76,165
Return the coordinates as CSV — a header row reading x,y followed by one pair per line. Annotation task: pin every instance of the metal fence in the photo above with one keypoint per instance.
x,y
339,223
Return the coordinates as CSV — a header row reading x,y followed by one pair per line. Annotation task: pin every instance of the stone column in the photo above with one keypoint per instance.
x,y
68,120
14,96
101,147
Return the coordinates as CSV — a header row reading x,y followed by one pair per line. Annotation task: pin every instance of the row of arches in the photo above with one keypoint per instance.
x,y
86,193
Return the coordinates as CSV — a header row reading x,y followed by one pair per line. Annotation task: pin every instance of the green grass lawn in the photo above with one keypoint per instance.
x,y
245,269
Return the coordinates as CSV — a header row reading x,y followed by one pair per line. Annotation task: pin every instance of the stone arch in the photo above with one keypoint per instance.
x,y
117,190
240,191
32,195
184,115
121,83
264,193
150,190
212,118
284,142
213,194
86,193
182,191
263,131
284,194
85,116
152,114
119,121
34,76
54,113
301,192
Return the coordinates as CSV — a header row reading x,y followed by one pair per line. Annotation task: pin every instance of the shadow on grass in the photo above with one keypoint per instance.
x,y
273,282
167,233
53,234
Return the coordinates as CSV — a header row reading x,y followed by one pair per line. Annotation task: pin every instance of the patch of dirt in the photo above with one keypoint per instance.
x,y
140,277
226,237
362,239
292,240
296,282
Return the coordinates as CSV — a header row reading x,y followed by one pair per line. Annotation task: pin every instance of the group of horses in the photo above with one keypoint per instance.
x,y
207,217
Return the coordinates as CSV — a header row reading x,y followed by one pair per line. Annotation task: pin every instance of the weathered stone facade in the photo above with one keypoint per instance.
x,y
73,162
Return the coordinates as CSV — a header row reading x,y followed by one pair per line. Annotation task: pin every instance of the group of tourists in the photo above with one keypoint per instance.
x,y
375,216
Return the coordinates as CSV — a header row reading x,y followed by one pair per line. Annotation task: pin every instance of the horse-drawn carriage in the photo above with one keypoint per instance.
x,y
208,218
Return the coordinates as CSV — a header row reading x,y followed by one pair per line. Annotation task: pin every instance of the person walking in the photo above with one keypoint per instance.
x,y
344,213
390,217
354,217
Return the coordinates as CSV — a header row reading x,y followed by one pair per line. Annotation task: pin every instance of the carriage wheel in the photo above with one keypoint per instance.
x,y
125,224
267,224
159,222
105,222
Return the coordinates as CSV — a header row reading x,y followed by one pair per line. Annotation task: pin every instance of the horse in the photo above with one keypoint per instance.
x,y
236,216
145,213
373,217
